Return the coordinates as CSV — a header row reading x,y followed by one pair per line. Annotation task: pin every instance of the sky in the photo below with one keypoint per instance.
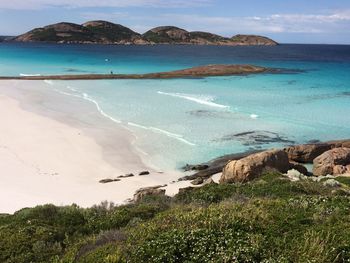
x,y
286,21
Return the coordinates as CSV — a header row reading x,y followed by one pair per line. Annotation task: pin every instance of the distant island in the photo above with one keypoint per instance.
x,y
104,32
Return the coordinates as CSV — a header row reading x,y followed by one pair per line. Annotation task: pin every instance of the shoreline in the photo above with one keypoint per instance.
x,y
72,145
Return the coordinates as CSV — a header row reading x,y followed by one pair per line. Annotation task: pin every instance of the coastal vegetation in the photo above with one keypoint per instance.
x,y
104,32
269,219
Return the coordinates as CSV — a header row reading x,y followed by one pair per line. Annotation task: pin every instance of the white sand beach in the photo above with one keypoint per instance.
x,y
51,154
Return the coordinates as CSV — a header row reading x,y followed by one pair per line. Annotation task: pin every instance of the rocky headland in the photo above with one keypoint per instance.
x,y
104,32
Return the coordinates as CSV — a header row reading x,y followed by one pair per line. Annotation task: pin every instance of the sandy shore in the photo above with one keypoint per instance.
x,y
55,149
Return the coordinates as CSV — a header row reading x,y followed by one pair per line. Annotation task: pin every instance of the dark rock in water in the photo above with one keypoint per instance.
x,y
144,173
197,181
313,141
252,138
198,167
211,114
105,181
149,191
126,176
345,93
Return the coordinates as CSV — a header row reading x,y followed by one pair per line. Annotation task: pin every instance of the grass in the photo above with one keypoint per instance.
x,y
344,180
268,220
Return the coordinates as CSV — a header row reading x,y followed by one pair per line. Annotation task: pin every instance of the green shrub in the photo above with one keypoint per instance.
x,y
267,220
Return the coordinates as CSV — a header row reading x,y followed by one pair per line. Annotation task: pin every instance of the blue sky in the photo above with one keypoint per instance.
x,y
287,21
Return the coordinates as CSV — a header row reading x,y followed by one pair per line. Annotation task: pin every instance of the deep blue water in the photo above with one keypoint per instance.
x,y
184,120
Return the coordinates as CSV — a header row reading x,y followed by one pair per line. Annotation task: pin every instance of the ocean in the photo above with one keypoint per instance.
x,y
184,121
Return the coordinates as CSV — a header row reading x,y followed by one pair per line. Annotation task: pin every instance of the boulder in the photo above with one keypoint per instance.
x,y
209,181
306,153
299,167
149,191
295,175
197,181
144,173
334,162
331,183
253,166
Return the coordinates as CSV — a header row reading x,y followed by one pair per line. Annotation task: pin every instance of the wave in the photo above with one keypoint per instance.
x,y
201,99
50,82
88,98
254,116
85,96
29,75
157,130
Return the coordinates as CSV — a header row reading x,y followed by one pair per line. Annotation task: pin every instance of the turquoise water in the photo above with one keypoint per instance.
x,y
192,120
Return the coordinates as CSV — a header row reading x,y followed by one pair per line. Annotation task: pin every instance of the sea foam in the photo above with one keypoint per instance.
x,y
29,75
85,96
164,132
88,98
50,82
200,99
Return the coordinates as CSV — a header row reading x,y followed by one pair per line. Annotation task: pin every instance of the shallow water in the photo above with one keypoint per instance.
x,y
192,120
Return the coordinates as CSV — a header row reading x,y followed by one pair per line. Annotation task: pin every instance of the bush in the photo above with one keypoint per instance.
x,y
267,220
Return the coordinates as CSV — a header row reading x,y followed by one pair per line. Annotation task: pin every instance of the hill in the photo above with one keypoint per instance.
x,y
101,32
175,35
104,32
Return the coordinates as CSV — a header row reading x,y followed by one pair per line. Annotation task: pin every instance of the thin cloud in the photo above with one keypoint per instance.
x,y
276,23
42,4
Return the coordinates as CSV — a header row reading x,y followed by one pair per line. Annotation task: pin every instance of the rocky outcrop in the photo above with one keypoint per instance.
x,y
149,191
306,153
195,72
104,32
333,162
253,166
214,166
